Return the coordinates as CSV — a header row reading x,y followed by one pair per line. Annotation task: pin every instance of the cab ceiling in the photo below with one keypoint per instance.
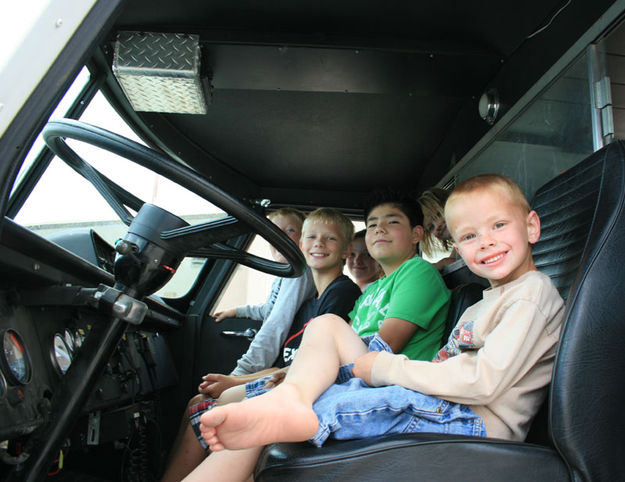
x,y
316,103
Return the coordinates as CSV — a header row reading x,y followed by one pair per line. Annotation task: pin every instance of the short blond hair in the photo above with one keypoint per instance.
x,y
332,216
292,212
483,182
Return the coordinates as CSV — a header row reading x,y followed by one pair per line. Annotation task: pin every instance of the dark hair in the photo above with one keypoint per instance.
x,y
360,234
401,200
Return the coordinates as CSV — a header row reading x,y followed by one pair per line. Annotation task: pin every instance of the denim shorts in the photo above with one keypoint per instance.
x,y
257,387
352,409
375,343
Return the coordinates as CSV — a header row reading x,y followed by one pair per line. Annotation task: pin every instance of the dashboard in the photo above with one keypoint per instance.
x,y
45,320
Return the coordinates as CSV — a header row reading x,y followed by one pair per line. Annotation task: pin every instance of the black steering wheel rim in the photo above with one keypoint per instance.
x,y
55,134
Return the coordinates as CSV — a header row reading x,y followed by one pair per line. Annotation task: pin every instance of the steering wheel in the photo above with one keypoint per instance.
x,y
173,234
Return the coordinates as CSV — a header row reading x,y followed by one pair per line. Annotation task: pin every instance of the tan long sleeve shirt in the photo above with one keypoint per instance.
x,y
499,358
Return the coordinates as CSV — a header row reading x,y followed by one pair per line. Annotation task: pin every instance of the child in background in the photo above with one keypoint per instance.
x,y
277,313
436,234
488,380
325,242
363,268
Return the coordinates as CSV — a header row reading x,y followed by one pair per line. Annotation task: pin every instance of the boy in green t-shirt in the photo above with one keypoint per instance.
x,y
407,307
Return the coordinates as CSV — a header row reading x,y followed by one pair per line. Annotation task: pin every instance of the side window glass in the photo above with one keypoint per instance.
x,y
247,286
550,135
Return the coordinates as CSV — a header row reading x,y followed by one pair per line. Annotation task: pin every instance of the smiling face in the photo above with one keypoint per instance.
x,y
390,238
361,265
323,246
493,234
292,227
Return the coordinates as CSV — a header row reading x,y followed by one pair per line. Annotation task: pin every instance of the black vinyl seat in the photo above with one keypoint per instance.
x,y
582,242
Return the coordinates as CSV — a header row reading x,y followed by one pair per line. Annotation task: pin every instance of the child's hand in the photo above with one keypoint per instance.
x,y
275,380
222,315
214,384
363,365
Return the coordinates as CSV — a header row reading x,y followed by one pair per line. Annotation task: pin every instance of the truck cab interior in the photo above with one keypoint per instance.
x,y
143,143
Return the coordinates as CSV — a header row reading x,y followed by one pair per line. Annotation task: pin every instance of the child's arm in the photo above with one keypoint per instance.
x,y
397,332
254,312
277,377
214,384
480,375
222,315
265,346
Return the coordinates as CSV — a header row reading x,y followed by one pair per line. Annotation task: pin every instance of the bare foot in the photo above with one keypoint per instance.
x,y
277,416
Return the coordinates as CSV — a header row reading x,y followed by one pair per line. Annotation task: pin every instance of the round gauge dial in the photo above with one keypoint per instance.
x,y
15,358
3,386
70,340
79,338
61,354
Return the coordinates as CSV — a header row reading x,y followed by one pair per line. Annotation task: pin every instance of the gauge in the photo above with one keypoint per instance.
x,y
15,358
61,354
69,340
79,338
3,386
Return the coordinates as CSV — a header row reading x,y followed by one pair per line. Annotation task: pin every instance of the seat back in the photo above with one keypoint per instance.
x,y
586,394
566,207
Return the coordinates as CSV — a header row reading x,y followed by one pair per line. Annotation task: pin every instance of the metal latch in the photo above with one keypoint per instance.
x,y
250,333
93,428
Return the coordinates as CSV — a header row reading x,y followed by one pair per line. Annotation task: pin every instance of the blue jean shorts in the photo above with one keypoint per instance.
x,y
352,409
257,387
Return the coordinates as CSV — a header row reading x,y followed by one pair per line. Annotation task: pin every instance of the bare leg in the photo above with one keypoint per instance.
x,y
227,466
186,453
285,414
232,395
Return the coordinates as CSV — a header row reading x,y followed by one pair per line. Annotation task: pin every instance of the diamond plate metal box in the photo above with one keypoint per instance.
x,y
160,72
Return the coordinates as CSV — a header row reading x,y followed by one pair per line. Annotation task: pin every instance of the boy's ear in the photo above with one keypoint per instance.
x,y
533,227
417,234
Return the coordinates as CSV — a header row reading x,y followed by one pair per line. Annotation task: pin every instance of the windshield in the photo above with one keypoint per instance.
x,y
62,200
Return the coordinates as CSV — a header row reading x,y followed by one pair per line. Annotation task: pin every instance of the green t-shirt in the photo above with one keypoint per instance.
x,y
414,292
